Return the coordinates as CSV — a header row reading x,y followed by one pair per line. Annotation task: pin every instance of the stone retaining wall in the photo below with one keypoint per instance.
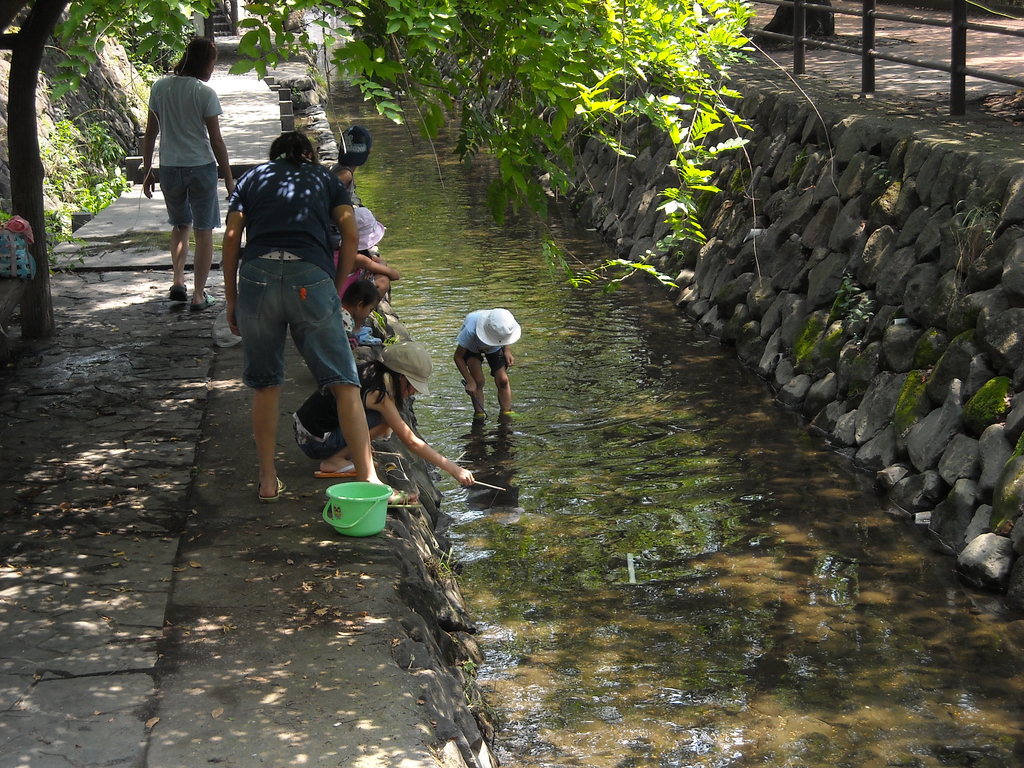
x,y
870,268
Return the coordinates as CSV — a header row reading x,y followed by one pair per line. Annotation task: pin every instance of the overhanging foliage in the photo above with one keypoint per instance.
x,y
527,80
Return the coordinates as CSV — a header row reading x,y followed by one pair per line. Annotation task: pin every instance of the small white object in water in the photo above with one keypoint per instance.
x,y
629,567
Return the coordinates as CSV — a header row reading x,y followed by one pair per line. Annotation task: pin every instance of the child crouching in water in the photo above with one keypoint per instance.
x,y
402,373
487,334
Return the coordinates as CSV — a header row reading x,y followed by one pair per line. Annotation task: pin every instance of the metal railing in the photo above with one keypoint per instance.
x,y
958,24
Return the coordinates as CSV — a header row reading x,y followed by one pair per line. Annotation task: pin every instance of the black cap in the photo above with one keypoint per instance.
x,y
356,142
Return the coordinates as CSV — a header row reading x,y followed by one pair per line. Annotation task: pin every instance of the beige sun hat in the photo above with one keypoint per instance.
x,y
411,359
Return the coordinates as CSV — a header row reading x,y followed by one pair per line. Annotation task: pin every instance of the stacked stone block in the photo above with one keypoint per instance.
x,y
871,270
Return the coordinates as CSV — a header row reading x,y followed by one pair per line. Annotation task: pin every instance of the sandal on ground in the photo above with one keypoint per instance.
x,y
178,293
400,498
349,470
270,499
207,302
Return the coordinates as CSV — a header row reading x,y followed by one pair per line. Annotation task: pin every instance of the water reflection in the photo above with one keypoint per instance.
x,y
780,617
491,453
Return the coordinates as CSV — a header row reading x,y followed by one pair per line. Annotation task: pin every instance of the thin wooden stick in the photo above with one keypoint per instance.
x,y
486,485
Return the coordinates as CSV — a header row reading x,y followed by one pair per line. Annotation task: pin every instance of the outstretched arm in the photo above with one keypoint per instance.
x,y
416,444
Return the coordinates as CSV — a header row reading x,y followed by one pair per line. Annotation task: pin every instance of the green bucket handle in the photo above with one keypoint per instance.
x,y
333,521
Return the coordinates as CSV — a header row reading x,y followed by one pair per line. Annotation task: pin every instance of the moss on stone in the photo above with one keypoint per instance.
x,y
862,371
828,347
952,360
810,334
703,203
1018,449
1008,496
799,163
989,405
739,180
929,348
912,403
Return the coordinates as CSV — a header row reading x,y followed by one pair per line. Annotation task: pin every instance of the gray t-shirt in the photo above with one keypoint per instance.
x,y
182,105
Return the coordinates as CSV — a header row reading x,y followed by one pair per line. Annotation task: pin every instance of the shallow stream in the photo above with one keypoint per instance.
x,y
677,573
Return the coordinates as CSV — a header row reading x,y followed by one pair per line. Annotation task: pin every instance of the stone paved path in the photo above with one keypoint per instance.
x,y
152,613
999,54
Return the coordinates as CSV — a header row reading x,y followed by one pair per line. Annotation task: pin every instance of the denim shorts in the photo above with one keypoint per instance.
x,y
190,194
324,447
275,296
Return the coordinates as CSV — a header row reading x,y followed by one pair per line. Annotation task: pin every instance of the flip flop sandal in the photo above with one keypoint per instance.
x,y
349,471
178,293
405,499
270,499
207,302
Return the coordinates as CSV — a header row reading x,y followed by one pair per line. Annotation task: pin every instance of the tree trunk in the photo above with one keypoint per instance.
x,y
26,167
819,23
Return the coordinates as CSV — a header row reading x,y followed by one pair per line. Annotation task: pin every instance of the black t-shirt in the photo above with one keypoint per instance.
x,y
319,414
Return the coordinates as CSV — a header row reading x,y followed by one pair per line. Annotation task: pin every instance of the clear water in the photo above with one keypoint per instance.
x,y
677,573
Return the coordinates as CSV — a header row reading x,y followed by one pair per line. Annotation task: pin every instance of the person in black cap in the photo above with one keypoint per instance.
x,y
356,142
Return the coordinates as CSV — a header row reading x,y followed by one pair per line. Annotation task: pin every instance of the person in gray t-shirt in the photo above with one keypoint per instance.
x,y
184,112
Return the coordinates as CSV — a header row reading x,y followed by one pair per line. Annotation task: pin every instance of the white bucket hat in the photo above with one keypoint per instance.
x,y
498,328
371,231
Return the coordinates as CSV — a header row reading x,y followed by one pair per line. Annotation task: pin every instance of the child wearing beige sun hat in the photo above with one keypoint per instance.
x,y
403,371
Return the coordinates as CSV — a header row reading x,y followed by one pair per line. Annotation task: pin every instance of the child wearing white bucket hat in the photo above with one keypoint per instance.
x,y
487,333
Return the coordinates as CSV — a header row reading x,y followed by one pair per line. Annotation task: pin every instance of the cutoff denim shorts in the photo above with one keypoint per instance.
x,y
324,447
275,296
190,194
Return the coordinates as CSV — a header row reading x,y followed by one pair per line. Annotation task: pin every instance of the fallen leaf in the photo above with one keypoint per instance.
x,y
194,564
217,712
151,722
